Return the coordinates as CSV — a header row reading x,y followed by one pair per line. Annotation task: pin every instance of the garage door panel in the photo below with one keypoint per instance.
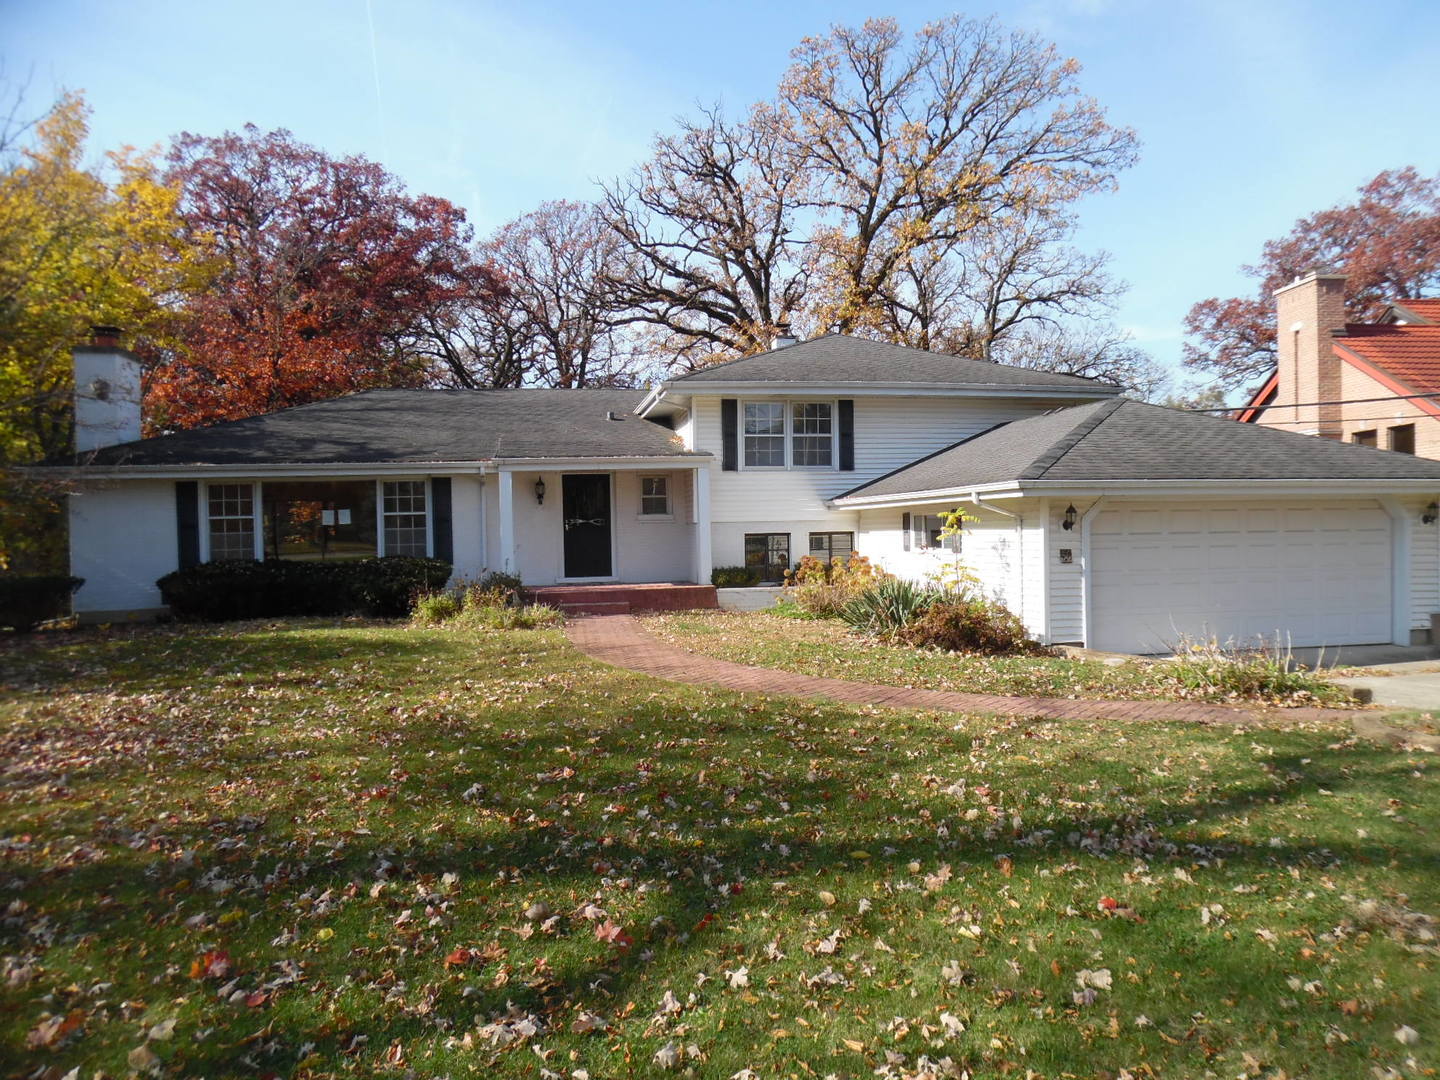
x,y
1314,573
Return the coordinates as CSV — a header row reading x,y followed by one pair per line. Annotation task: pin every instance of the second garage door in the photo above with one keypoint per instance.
x,y
1316,573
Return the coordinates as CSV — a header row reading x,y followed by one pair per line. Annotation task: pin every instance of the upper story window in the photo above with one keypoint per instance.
x,y
764,434
1365,438
777,435
1401,438
812,432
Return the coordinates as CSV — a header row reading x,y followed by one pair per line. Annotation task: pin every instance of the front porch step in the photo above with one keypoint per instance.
x,y
622,599
593,607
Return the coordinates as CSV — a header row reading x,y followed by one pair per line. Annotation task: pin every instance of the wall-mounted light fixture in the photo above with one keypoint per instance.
x,y
540,491
1431,514
1069,522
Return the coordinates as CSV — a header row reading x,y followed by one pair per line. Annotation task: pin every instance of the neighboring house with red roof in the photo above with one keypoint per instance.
x,y
1376,384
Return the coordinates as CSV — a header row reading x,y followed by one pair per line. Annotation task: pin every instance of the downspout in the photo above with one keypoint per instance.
x,y
1019,545
1086,592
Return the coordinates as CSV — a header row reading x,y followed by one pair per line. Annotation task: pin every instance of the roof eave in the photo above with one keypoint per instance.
x,y
1197,486
925,389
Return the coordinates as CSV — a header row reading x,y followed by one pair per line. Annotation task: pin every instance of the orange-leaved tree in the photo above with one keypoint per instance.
x,y
325,270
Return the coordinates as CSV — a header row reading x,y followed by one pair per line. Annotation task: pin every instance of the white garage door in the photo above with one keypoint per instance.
x,y
1316,573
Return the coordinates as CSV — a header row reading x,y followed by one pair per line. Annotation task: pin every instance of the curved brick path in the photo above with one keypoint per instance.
x,y
619,640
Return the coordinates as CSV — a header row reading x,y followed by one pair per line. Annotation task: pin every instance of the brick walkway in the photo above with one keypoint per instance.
x,y
619,640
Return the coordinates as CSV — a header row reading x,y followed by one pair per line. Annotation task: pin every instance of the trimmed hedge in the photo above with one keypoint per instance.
x,y
27,600
239,589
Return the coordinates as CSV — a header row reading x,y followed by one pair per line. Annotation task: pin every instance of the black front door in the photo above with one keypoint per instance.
x,y
586,502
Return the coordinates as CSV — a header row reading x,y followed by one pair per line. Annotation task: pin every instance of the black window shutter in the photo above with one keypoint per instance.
x,y
440,520
187,521
729,434
905,531
847,435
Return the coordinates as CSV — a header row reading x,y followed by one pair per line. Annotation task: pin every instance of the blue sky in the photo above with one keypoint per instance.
x,y
1250,113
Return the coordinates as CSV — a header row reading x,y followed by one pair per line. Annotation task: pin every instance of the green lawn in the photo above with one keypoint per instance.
x,y
829,647
327,848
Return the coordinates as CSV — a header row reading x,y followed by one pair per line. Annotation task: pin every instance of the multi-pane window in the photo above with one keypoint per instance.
x,y
764,434
232,521
769,553
811,431
927,531
654,496
404,517
832,546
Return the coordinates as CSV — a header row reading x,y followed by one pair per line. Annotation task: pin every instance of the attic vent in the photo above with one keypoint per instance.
x,y
613,415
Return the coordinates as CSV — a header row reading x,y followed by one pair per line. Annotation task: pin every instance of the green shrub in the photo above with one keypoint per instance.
x,y
736,577
1213,671
494,588
240,589
434,608
970,624
887,607
27,600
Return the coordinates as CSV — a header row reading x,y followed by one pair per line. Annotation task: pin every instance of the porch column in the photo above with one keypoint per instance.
x,y
506,481
702,526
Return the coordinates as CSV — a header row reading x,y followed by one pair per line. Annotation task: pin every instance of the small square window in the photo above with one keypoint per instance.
x,y
928,530
1401,438
654,496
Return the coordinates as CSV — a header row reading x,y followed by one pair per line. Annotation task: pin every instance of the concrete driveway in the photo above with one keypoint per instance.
x,y
1412,685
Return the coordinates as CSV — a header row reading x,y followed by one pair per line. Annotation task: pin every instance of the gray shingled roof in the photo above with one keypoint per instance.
x,y
1129,440
417,425
837,358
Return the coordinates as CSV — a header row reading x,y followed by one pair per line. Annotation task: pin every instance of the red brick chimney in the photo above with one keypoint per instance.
x,y
1309,312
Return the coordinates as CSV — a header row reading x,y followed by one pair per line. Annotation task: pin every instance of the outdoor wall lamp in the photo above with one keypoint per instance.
x,y
1069,522
1431,515
540,491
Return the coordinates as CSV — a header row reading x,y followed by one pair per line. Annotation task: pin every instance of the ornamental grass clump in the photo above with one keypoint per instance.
x,y
1211,670
889,606
494,602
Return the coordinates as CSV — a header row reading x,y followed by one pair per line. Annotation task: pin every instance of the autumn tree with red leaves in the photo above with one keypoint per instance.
x,y
1387,243
323,270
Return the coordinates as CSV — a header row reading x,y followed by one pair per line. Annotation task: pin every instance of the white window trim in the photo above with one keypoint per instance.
x,y
787,405
257,517
669,514
380,551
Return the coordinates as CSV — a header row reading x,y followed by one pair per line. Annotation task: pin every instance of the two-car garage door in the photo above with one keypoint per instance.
x,y
1316,573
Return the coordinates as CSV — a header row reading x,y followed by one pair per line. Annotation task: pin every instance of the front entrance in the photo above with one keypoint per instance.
x,y
586,506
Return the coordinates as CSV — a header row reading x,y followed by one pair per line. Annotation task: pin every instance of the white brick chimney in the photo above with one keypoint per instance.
x,y
107,392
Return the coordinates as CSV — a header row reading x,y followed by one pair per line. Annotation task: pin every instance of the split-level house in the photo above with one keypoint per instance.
x,y
1099,520
1376,384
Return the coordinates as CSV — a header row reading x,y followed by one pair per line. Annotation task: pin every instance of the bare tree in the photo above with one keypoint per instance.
x,y
1008,274
930,146
714,261
558,323
1094,351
